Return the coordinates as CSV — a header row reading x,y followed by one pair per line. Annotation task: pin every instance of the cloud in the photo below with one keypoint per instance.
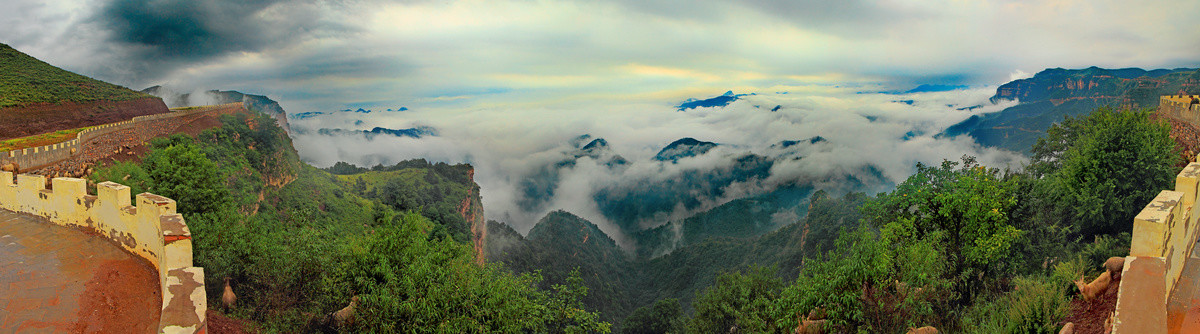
x,y
317,55
508,82
870,141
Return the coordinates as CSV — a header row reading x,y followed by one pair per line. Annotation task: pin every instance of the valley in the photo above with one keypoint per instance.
x,y
599,167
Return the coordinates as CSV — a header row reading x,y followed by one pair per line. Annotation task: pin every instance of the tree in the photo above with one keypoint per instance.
x,y
664,316
741,300
969,205
873,282
1107,165
180,171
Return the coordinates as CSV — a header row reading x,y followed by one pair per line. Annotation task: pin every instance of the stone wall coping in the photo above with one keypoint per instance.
x,y
1164,237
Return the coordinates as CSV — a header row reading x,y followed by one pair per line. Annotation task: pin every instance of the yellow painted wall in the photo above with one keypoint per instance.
x,y
147,227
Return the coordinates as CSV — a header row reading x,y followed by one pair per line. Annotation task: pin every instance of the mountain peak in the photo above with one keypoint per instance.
x,y
684,148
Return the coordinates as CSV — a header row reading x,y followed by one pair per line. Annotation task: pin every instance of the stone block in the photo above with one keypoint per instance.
x,y
110,192
155,205
184,301
1141,300
31,183
1186,182
1151,226
69,188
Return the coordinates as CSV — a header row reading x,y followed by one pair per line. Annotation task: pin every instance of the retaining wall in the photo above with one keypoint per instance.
x,y
148,228
42,156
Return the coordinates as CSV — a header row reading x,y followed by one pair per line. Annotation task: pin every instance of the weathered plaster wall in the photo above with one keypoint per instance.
x,y
1164,238
148,228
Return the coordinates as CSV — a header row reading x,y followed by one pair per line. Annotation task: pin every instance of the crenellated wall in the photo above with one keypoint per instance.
x,y
148,227
1154,284
41,156
1183,107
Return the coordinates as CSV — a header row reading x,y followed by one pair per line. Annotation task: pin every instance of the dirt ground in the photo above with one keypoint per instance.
x,y
220,324
1089,317
16,122
114,299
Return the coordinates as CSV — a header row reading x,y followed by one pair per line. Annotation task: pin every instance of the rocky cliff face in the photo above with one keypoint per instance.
x,y
471,210
1054,93
260,103
16,122
1058,85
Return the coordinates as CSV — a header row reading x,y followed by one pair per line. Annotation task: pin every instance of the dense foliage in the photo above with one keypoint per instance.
x,y
962,210
25,80
298,243
664,316
958,246
1106,166
437,191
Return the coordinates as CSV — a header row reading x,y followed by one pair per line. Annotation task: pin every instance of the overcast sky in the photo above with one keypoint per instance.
x,y
320,55
508,83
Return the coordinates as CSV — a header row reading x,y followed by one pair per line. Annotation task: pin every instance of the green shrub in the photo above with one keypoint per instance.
x,y
1036,305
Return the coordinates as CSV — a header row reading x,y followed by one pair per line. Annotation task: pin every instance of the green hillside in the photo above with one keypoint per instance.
x,y
298,242
561,243
25,80
436,190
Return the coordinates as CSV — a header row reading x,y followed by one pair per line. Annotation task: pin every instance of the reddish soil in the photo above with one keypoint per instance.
x,y
115,299
16,122
220,324
1089,317
135,152
128,144
1186,136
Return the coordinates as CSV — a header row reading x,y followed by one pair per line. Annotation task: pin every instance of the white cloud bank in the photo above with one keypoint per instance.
x,y
507,144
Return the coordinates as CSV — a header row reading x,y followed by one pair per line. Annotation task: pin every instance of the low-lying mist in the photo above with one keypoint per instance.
x,y
532,160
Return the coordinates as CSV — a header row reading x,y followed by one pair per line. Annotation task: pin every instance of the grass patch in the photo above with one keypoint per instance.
x,y
25,80
40,139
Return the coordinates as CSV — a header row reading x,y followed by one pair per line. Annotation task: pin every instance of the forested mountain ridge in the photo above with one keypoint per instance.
x,y
1052,94
446,194
308,246
622,282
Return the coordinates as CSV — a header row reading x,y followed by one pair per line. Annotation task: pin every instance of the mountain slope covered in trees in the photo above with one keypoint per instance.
x,y
297,251
1055,93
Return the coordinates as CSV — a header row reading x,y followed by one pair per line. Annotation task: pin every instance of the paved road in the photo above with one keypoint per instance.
x,y
55,279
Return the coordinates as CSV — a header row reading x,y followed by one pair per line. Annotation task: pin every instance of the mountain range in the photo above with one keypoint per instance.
x,y
1054,93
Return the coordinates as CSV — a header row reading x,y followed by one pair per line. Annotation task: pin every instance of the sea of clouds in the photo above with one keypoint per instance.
x,y
863,132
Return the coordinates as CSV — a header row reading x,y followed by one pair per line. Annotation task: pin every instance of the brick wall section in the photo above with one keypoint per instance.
x,y
134,131
148,228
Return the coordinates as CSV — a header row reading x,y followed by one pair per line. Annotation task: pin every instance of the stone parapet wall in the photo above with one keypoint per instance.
x,y
1164,238
1180,106
148,227
41,156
